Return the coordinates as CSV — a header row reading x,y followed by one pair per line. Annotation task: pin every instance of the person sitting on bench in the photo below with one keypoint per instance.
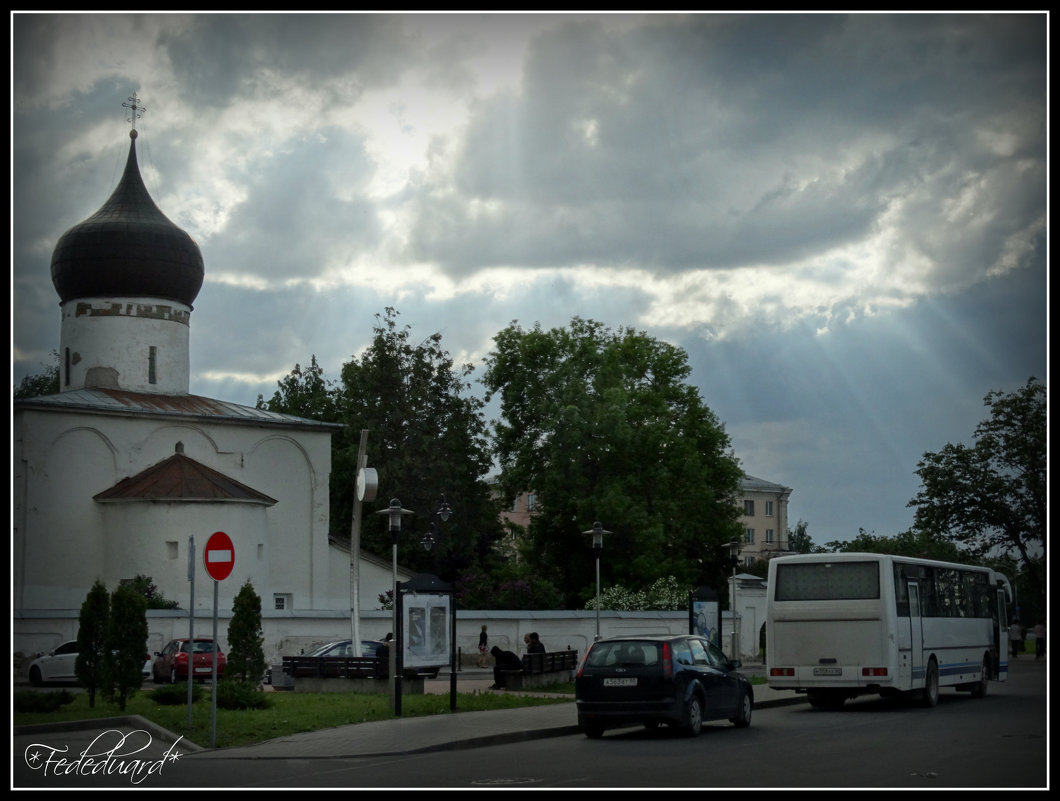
x,y
506,662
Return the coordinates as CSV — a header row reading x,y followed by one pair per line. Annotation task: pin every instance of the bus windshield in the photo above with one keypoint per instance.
x,y
827,581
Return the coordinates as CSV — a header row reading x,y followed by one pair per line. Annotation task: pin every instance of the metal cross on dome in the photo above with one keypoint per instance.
x,y
136,111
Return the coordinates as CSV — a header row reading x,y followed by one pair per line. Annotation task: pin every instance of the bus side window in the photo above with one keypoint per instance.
x,y
901,591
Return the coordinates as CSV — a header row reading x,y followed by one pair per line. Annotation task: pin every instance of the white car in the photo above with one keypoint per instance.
x,y
56,665
59,665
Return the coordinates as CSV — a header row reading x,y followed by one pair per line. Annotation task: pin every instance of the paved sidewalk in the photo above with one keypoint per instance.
x,y
397,736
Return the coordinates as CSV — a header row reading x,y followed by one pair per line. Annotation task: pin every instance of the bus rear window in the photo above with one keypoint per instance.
x,y
827,581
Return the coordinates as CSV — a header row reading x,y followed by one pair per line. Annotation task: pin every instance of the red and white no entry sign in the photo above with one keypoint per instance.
x,y
219,556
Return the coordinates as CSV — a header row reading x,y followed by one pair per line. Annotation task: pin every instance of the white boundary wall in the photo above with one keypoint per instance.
x,y
286,634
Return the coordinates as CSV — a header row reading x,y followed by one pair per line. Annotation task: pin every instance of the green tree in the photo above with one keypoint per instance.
x,y
990,498
43,383
602,426
913,542
126,640
145,586
427,438
246,657
799,540
91,665
304,393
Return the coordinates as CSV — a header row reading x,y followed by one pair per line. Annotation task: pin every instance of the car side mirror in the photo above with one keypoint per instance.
x,y
734,664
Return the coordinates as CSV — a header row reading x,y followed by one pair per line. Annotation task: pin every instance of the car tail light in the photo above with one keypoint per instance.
x,y
585,658
874,671
667,661
782,671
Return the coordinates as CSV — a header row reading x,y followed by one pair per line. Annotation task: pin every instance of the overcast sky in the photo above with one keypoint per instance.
x,y
841,219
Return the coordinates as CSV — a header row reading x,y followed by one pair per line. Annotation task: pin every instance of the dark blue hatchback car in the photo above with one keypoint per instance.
x,y
679,680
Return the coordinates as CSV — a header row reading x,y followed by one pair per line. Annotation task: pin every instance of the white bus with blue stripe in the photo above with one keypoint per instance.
x,y
840,625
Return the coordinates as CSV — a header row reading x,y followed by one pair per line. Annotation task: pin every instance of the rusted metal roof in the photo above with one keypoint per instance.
x,y
121,401
180,478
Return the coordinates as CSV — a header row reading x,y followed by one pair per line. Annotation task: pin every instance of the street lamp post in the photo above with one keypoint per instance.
x,y
734,556
394,513
597,532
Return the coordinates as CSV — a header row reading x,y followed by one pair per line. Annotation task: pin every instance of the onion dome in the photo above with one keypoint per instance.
x,y
128,248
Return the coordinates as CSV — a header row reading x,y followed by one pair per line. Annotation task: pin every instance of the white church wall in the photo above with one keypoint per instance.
x,y
295,467
112,338
60,547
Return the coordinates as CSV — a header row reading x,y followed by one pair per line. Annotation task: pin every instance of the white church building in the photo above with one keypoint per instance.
x,y
123,470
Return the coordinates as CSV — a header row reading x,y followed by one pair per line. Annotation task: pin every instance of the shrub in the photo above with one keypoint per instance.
x,y
241,695
173,694
30,701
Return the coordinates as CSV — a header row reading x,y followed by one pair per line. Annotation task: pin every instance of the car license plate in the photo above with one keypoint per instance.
x,y
203,670
620,682
828,671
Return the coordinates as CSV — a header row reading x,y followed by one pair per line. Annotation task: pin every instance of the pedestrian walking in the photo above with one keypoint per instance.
x,y
1039,640
1015,636
483,647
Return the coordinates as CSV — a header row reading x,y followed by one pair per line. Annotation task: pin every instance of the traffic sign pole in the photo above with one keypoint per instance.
x,y
218,557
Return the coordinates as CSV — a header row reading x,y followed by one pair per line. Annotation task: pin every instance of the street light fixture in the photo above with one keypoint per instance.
x,y
734,557
597,532
434,531
394,513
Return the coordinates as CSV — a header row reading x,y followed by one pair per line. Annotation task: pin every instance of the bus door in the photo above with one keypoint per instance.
x,y
1000,615
916,635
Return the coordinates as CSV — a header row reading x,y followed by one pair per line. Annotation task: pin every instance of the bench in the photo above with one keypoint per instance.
x,y
339,674
539,670
335,667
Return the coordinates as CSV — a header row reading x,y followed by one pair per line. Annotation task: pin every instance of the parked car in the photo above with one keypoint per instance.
x,y
335,648
59,665
368,648
171,663
679,680
342,648
56,665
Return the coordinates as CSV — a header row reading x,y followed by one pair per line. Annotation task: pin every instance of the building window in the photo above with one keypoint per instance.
x,y
531,502
171,549
769,535
281,601
261,551
66,368
769,508
152,358
749,508
749,536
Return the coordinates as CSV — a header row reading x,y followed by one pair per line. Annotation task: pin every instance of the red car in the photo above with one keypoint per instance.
x,y
171,663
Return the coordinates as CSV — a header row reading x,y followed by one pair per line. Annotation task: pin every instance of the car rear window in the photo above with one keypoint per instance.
x,y
201,647
624,652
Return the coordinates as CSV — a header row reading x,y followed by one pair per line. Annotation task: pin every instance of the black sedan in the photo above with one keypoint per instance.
x,y
680,680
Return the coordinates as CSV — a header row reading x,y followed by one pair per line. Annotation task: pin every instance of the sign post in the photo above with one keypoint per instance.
x,y
218,557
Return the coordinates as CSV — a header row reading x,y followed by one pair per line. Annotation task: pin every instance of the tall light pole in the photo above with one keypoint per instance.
x,y
394,513
734,556
597,532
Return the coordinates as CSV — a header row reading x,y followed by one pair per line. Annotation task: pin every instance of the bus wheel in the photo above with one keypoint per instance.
x,y
929,697
979,688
